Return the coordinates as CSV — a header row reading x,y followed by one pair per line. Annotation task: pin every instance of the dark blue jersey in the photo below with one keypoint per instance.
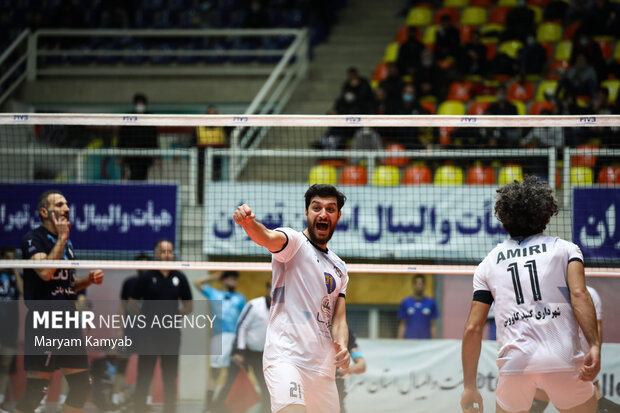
x,y
62,284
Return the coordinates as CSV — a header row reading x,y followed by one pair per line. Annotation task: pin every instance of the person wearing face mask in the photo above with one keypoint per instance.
x,y
409,105
533,56
136,168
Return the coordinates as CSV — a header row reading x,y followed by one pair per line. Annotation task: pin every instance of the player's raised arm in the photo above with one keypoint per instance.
x,y
270,239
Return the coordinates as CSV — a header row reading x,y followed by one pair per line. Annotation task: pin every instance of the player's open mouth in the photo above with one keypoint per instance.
x,y
322,226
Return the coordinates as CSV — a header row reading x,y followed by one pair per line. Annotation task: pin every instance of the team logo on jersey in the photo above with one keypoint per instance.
x,y
330,282
338,272
325,308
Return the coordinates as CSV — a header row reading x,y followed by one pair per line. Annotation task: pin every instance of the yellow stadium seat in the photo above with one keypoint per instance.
x,y
546,87
459,4
581,176
429,34
391,52
520,106
448,175
490,32
473,16
509,174
617,52
563,50
549,32
612,86
322,174
510,48
507,3
451,107
538,13
419,16
385,175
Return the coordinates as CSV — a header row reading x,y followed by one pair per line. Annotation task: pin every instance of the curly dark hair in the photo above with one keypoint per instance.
x,y
525,208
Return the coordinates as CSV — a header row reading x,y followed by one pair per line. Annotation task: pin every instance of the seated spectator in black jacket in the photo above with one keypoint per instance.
x,y
447,40
430,79
533,56
409,53
393,84
519,22
385,106
473,60
580,79
583,44
600,18
409,105
503,137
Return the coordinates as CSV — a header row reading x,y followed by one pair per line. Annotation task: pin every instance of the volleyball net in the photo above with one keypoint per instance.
x,y
420,189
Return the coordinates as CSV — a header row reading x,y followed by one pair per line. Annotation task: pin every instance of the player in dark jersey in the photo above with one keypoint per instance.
x,y
50,241
10,290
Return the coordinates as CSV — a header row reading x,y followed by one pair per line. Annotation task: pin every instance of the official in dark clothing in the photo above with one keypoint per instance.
x,y
152,287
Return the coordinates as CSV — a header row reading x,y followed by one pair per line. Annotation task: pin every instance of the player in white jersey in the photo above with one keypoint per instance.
x,y
538,285
307,333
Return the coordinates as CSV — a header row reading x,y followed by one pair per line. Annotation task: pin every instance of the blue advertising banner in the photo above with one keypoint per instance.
x,y
595,211
107,217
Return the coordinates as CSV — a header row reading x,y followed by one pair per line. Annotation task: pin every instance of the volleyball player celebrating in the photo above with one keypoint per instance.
x,y
541,300
51,241
307,332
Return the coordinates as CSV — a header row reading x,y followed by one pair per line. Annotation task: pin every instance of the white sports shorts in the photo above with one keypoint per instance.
x,y
219,361
289,384
515,393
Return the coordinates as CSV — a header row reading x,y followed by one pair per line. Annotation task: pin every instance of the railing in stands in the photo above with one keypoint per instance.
x,y
13,62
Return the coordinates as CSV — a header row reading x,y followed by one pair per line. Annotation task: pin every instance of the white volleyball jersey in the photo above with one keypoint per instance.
x,y
307,282
536,327
598,307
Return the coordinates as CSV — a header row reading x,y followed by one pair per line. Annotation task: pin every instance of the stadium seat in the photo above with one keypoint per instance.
x,y
428,38
418,175
385,175
322,174
510,48
490,33
380,72
508,3
498,15
480,175
538,13
617,52
391,52
465,32
474,16
353,175
483,3
538,107
478,108
549,32
521,91
419,16
520,106
450,11
398,161
459,4
509,173
612,85
549,47
581,176
587,158
546,88
451,107
557,69
448,175
605,44
571,30
401,35
563,50
460,91
491,51
429,105
610,175
539,3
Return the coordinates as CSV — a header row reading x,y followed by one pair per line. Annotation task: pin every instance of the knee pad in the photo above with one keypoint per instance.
x,y
35,390
79,389
538,406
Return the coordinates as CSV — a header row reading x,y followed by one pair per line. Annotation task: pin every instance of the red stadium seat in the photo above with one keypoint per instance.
x,y
460,91
478,108
430,106
465,32
498,15
450,11
585,159
538,107
557,69
521,91
480,175
354,175
418,175
606,47
610,175
396,160
380,72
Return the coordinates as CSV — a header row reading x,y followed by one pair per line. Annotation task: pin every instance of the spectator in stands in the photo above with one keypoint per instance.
x,y
580,79
138,137
383,105
409,105
392,85
555,10
447,40
418,313
600,18
544,137
519,22
473,60
533,56
365,139
430,79
503,107
409,53
566,104
583,44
